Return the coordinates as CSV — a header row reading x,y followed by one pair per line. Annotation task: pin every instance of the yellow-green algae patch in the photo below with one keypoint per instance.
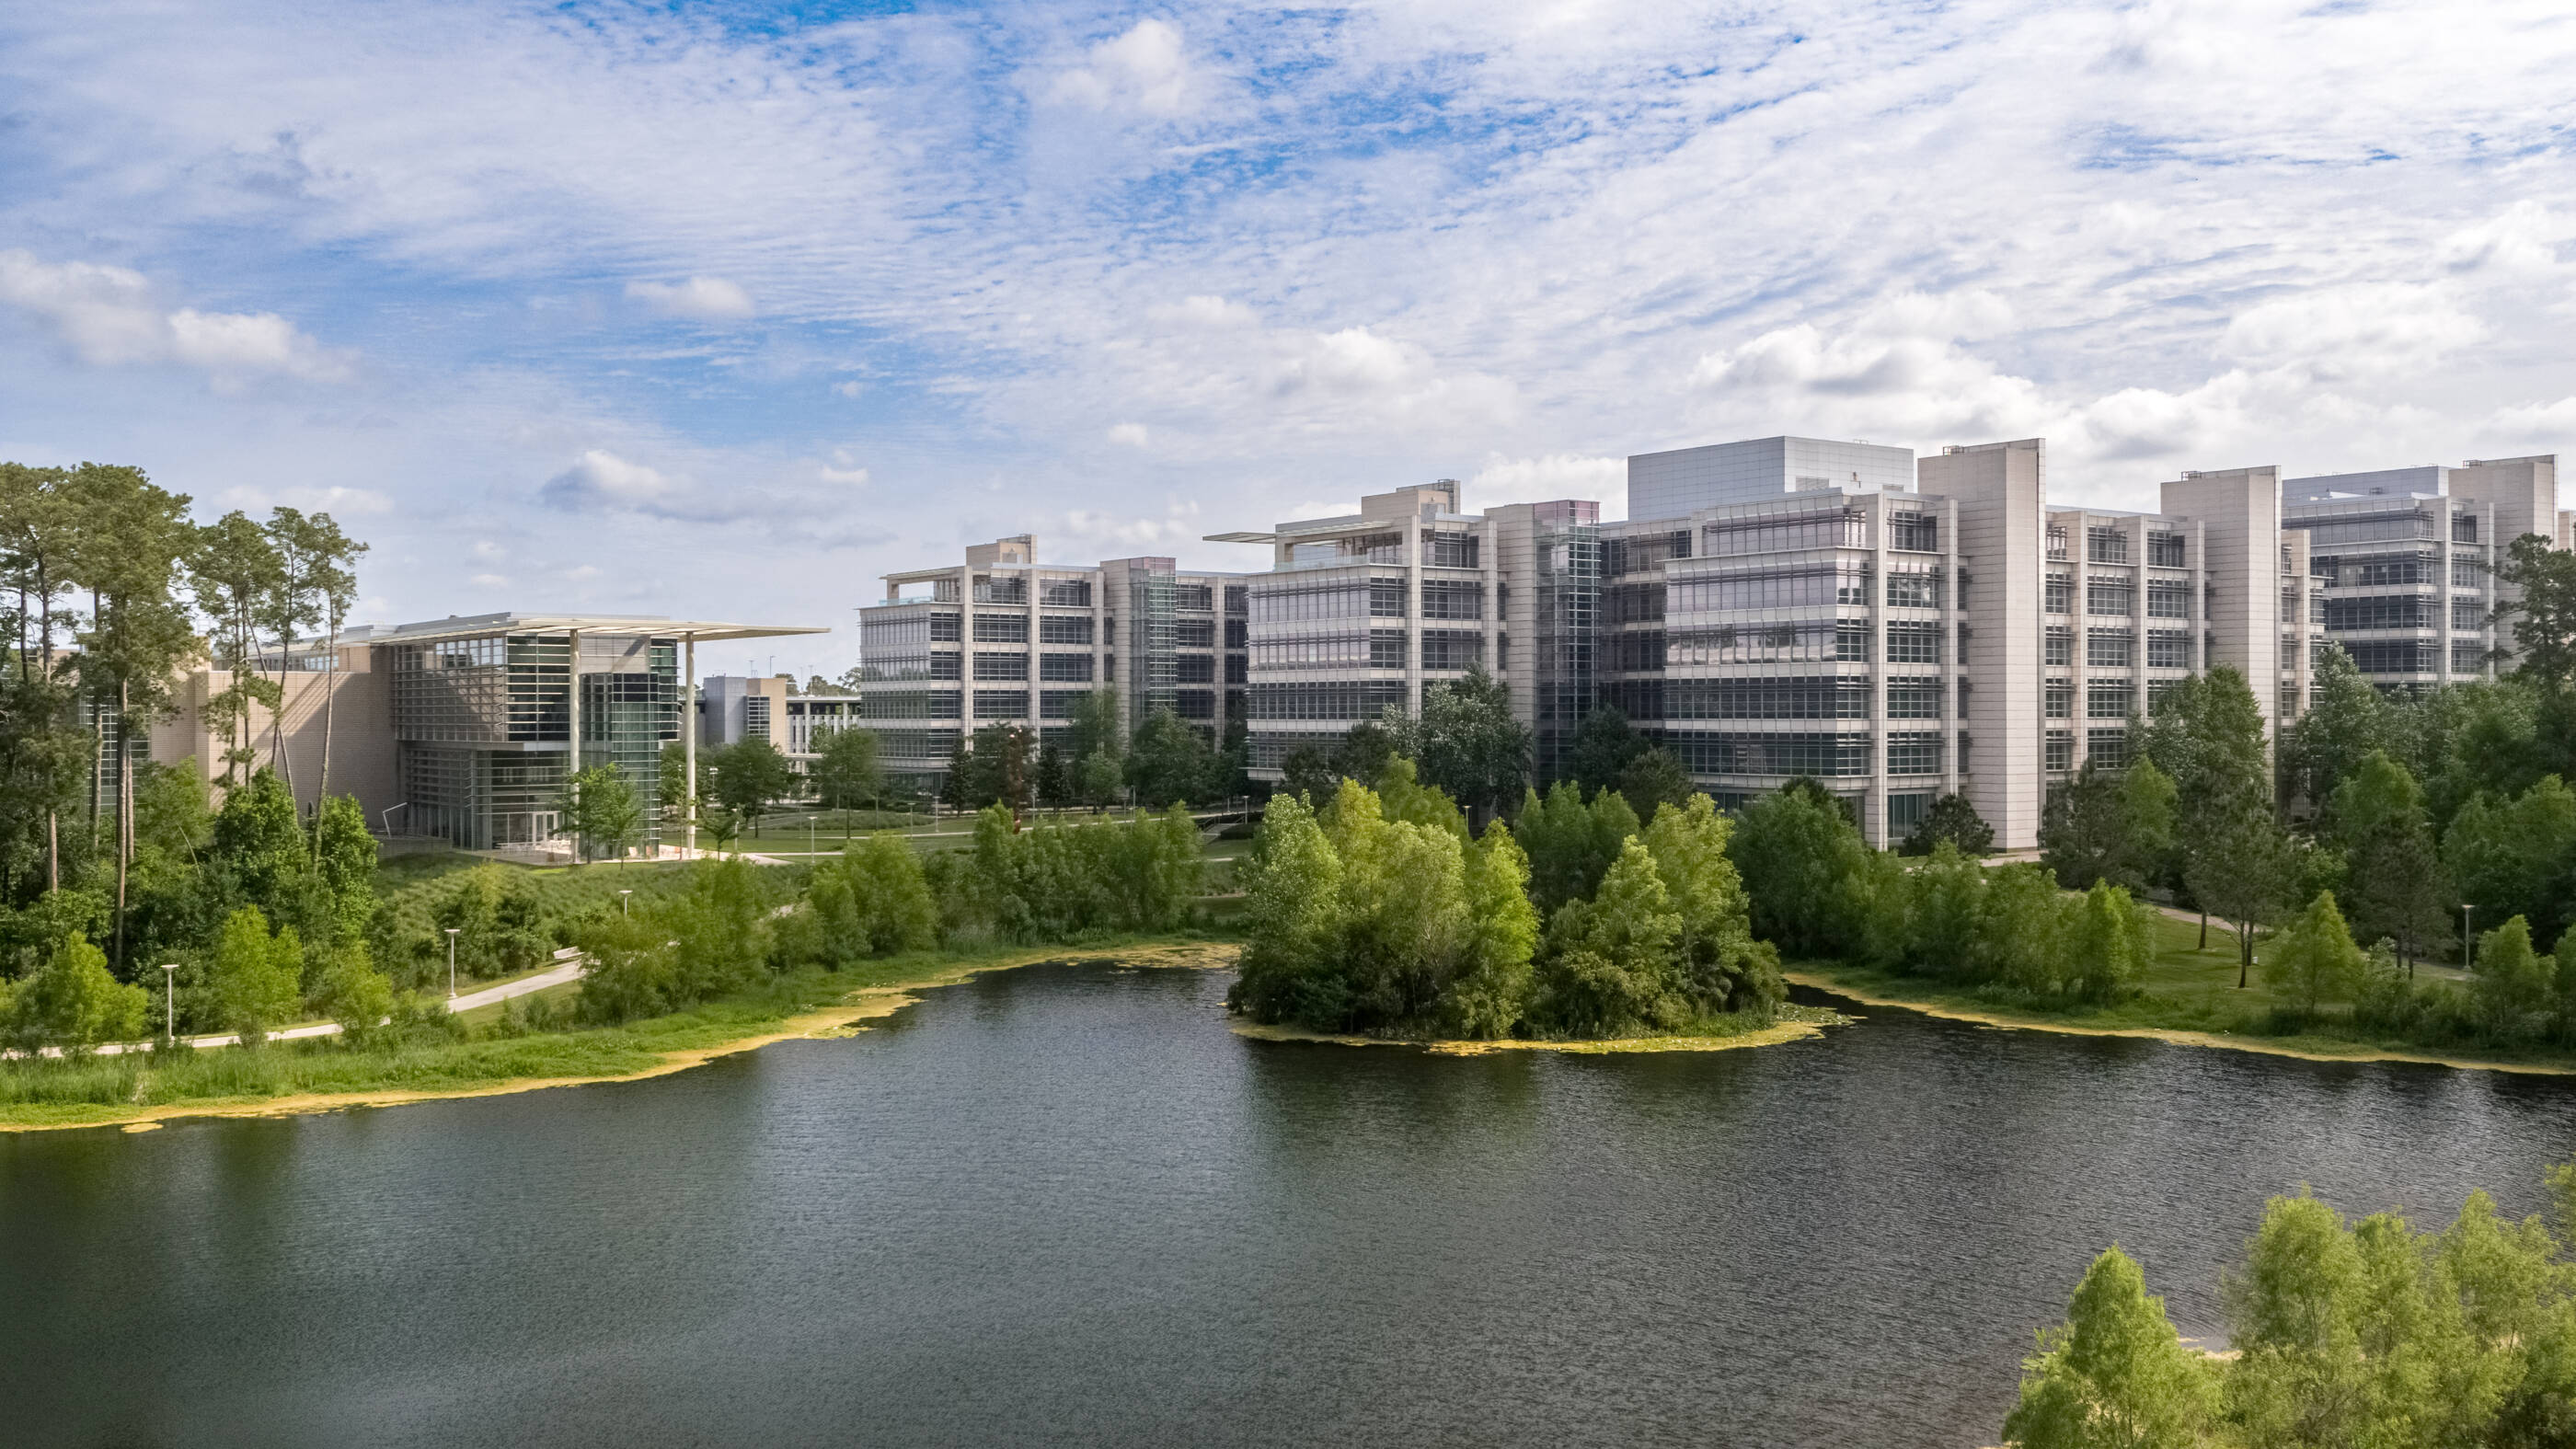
x,y
1796,1023
844,1018
2222,1041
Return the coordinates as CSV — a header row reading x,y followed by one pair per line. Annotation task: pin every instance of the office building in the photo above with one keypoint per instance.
x,y
462,729
1004,639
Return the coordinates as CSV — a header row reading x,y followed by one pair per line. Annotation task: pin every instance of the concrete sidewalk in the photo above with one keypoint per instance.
x,y
568,970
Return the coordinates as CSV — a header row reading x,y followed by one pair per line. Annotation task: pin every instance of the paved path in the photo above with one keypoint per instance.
x,y
557,975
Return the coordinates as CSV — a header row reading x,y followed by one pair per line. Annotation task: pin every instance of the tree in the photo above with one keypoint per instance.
x,y
1723,967
2236,861
1806,869
748,778
2146,852
2517,857
996,769
1492,987
1467,741
1654,778
873,901
2238,865
344,856
356,995
1098,724
2312,959
599,807
1610,960
671,794
2395,886
1364,751
1308,772
2513,981
2544,616
1170,761
1953,818
2081,834
1054,777
2346,722
234,570
73,1002
256,975
1099,778
845,772
1570,844
1602,747
2114,1373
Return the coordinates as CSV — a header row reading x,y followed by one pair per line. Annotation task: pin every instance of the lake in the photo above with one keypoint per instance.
x,y
1065,1205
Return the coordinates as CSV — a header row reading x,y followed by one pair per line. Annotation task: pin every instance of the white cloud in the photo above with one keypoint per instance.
x,y
335,500
851,388
844,470
2535,422
489,581
108,317
2361,329
699,299
1204,311
1144,70
1556,475
1132,435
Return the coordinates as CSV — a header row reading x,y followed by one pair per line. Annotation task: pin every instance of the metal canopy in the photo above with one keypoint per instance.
x,y
1245,537
612,626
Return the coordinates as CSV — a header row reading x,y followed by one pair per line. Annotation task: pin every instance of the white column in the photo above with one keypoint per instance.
x,y
689,732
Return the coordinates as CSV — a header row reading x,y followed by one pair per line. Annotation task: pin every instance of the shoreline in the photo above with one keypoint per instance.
x,y
2174,1036
845,1018
1776,1034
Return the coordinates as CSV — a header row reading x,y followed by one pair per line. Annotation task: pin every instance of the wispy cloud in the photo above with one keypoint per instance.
x,y
109,316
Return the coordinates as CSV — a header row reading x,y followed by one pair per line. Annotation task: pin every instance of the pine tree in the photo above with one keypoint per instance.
x,y
2114,1374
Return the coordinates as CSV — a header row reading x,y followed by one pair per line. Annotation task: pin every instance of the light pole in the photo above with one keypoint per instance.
x,y
170,1002
2468,941
451,962
621,901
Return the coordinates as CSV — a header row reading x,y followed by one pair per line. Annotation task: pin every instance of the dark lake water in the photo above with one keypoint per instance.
x,y
1065,1205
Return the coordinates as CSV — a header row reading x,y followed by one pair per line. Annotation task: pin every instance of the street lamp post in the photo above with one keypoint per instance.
x,y
621,901
170,1002
451,962
2468,941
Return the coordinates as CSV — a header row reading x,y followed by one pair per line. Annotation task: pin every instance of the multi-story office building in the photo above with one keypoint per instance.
x,y
463,729
1002,638
737,707
1895,628
2405,558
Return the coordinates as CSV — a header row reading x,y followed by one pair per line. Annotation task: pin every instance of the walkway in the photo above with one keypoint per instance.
x,y
568,970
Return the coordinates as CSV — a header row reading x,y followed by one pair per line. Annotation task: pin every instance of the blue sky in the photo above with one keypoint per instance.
x,y
725,309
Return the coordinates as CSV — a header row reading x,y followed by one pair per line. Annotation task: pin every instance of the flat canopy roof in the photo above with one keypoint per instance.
x,y
1244,537
617,626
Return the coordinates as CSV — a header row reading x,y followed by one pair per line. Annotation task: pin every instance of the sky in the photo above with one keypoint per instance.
x,y
722,310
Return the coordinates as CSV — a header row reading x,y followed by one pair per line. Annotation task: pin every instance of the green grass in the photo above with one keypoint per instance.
x,y
95,1090
2189,990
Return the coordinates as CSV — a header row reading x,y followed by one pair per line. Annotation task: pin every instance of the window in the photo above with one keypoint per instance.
x,y
1914,532
1460,599
1065,593
1386,649
2060,752
947,666
1194,703
2168,649
1964,633
944,628
2467,573
1732,753
1914,752
1913,643
2168,599
2060,698
2114,598
1001,591
2381,611
1451,648
910,704
2106,649
2057,540
2107,748
2165,550
1635,652
1235,596
1620,604
1851,640
1196,598
1773,533
1194,668
1386,598
1913,590
2464,528
2106,701
2468,616
1060,703
1238,634
1061,629
1238,669
1642,554
2061,594
1002,666
2468,659
1449,550
1334,699
2106,544
1064,666
2058,646
1001,704
1914,699
1194,633
2392,656
1799,697
2158,692
1788,586
1001,628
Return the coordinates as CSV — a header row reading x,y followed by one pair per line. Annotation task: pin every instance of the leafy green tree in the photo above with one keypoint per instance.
x,y
256,977
1292,911
356,995
2345,724
2518,856
2240,866
2543,617
1492,988
1807,870
1952,818
2023,915
73,1002
1100,778
599,807
1098,724
233,571
1468,742
1570,844
1362,754
746,778
1654,778
845,770
2395,886
1402,796
1054,777
1308,772
1722,967
2115,1375
1610,962
344,855
1169,761
1604,745
874,901
2146,853
2514,983
2312,960
2082,837
671,794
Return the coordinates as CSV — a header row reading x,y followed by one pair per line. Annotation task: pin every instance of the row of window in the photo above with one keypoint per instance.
x,y
1794,586
1909,752
1776,533
1323,699
2106,748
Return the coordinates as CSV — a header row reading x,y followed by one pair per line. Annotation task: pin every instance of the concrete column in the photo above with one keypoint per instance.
x,y
1954,614
1489,554
573,637
1874,803
2137,621
1036,589
689,727
1414,544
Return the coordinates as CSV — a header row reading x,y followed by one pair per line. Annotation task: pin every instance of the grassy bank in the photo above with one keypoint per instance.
x,y
325,1075
2188,996
1720,1033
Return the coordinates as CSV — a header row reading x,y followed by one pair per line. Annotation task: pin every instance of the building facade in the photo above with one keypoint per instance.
x,y
1004,639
